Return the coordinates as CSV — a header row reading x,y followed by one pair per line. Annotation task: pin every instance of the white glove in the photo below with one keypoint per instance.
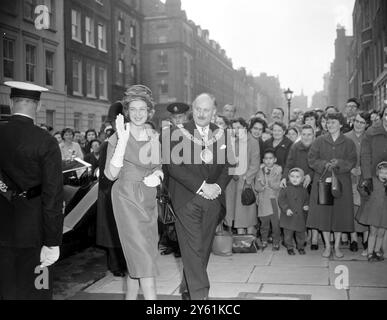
x,y
48,256
153,180
123,132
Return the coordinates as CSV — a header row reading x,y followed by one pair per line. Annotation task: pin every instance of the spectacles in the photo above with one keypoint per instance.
x,y
360,122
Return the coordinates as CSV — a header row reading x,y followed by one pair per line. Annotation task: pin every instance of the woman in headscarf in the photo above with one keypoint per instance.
x,y
133,159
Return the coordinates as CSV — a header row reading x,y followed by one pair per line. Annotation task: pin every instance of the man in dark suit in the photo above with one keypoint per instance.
x,y
31,200
198,182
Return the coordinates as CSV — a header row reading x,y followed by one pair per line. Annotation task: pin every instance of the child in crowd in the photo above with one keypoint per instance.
x,y
373,212
293,202
267,185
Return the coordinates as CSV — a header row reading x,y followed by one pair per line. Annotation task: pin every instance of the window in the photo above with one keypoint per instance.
x,y
102,83
121,71
133,71
163,61
77,77
102,37
76,25
90,80
51,9
89,25
49,68
30,62
120,26
133,40
8,58
29,9
90,121
77,120
163,88
50,118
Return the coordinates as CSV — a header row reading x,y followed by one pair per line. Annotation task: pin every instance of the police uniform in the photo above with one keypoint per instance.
x,y
168,236
31,200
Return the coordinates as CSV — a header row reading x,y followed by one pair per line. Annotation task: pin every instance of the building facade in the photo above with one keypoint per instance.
x,y
338,90
88,47
368,59
34,54
126,37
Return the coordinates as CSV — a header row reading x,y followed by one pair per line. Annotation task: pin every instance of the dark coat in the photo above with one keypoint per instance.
x,y
339,217
107,233
31,157
298,158
373,151
293,198
281,151
187,178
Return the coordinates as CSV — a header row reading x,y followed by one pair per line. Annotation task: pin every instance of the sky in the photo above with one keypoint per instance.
x,y
293,39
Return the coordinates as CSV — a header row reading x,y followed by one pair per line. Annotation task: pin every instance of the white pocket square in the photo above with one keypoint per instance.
x,y
223,147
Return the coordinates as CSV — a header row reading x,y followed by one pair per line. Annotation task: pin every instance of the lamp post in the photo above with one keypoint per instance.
x,y
289,96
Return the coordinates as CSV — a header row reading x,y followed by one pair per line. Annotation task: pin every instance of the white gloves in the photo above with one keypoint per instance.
x,y
48,256
123,132
153,180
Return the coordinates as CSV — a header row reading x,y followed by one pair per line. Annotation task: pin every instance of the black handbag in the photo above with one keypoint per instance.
x,y
325,196
337,187
166,213
248,196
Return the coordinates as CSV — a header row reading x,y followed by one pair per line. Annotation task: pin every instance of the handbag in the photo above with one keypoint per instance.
x,y
325,196
337,187
222,245
248,196
244,244
166,213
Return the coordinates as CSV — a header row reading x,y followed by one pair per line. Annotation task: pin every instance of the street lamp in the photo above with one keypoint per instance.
x,y
289,96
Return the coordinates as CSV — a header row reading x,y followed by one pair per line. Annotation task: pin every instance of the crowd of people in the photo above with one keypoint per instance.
x,y
285,165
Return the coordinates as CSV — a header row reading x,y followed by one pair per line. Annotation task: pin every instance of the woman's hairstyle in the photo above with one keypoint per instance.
x,y
309,114
254,121
138,93
57,133
279,124
336,116
65,130
319,121
241,121
151,124
225,120
292,129
262,113
366,116
95,140
90,130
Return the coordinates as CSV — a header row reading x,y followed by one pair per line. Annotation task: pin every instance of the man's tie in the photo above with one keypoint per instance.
x,y
204,134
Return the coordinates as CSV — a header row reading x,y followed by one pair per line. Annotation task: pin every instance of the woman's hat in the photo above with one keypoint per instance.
x,y
139,92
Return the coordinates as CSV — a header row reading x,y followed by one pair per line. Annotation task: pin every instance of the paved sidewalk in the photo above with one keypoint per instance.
x,y
272,275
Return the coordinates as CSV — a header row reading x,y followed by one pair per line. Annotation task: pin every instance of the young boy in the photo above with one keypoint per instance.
x,y
293,201
267,185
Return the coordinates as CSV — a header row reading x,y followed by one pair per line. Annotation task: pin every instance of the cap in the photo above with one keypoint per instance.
x,y
382,165
299,170
178,108
25,90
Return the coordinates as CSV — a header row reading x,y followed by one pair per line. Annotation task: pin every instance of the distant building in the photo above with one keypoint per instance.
x,y
300,101
126,37
88,62
338,90
32,55
319,100
368,60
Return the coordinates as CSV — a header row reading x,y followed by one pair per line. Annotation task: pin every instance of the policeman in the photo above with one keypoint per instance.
x,y
31,199
178,116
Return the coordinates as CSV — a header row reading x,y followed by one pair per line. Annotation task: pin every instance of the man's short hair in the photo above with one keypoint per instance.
x,y
355,101
211,96
269,150
307,127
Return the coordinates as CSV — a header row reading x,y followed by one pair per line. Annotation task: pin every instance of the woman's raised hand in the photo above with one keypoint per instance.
x,y
123,130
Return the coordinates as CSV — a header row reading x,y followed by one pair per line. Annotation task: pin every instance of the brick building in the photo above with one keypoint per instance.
x,y
32,55
88,62
126,33
368,60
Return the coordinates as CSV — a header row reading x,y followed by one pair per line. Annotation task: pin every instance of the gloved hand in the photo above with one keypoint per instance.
x,y
48,256
123,132
154,179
